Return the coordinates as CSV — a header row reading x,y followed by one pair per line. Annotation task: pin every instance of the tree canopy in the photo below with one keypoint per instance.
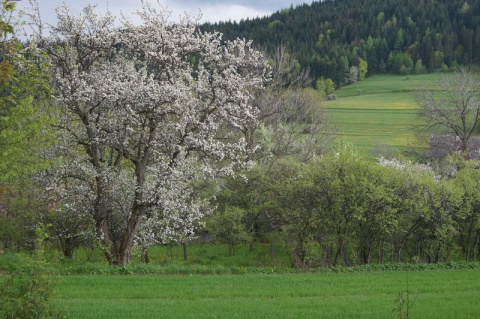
x,y
144,111
24,90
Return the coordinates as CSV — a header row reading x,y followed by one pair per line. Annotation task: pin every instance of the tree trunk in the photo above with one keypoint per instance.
x,y
469,241
146,256
67,247
127,241
299,254
124,256
185,250
101,223
475,247
230,249
339,250
365,255
109,248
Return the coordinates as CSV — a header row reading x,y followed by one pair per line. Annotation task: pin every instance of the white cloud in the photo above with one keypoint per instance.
x,y
233,12
212,10
221,13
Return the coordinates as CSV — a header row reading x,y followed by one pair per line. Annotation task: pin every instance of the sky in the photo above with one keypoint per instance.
x,y
212,10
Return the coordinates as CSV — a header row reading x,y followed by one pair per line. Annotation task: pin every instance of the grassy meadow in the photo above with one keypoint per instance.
x,y
437,294
379,114
211,284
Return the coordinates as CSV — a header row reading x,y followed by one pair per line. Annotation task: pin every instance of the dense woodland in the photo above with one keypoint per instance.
x,y
392,36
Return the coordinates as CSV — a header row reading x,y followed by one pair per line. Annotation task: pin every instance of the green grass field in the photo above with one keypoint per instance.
x,y
379,114
440,294
212,284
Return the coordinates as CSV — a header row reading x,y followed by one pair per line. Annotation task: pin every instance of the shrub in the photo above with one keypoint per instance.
x,y
26,293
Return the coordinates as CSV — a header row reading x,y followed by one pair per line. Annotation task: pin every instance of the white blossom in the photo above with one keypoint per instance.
x,y
145,111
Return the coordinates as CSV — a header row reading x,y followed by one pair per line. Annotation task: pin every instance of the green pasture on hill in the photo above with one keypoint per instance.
x,y
379,114
439,294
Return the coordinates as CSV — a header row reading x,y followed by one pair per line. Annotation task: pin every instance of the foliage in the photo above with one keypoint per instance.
x,y
345,208
27,293
25,129
402,306
405,300
145,113
325,86
7,8
143,125
402,63
353,75
21,208
467,179
24,121
291,121
419,68
207,259
228,227
362,69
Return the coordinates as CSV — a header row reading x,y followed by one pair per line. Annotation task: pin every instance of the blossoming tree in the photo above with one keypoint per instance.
x,y
145,110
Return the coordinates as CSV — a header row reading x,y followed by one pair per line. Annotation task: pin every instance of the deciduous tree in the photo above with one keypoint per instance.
x,y
147,109
23,91
291,121
453,107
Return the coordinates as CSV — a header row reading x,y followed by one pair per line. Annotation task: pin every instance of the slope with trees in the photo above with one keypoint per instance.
x,y
375,36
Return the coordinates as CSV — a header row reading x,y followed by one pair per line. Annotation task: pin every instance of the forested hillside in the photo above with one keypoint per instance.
x,y
391,36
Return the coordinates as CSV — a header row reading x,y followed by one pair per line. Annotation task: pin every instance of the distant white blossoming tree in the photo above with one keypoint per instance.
x,y
145,109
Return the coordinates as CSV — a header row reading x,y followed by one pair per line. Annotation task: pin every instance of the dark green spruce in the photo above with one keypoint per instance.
x,y
393,36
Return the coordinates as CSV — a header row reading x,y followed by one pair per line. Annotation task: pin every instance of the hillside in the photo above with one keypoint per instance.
x,y
379,115
392,36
